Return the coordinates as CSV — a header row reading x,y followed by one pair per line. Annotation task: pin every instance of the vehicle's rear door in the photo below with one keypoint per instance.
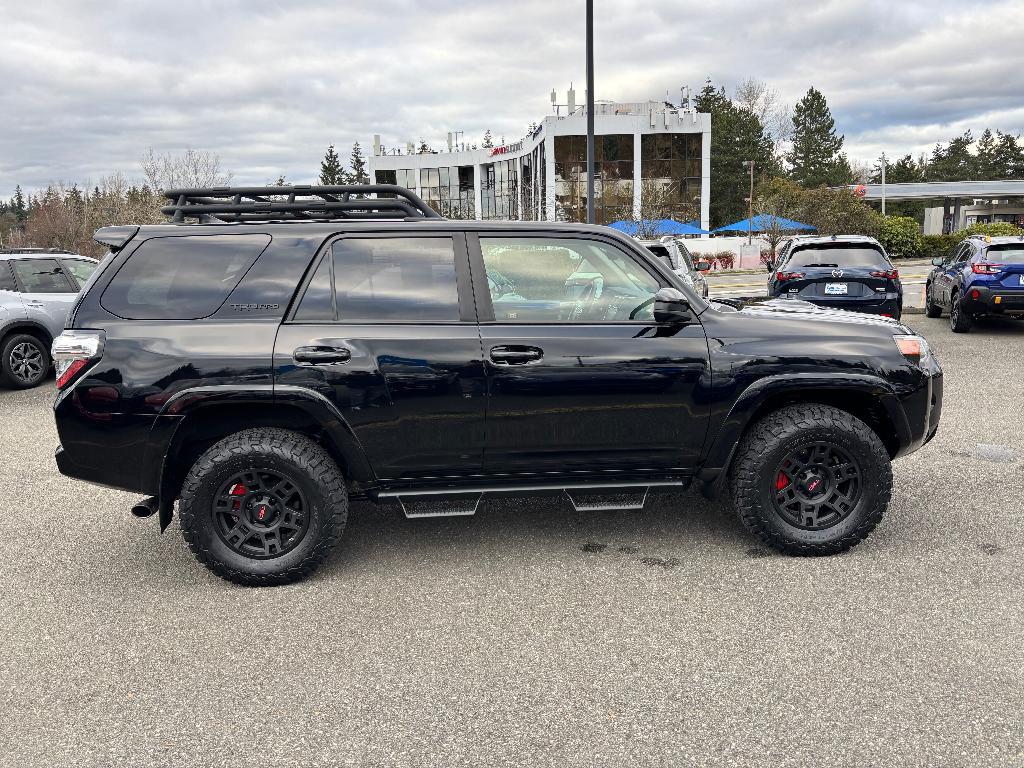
x,y
46,291
580,377
385,328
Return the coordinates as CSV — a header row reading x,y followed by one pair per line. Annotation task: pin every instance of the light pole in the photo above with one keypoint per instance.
x,y
883,183
590,111
749,165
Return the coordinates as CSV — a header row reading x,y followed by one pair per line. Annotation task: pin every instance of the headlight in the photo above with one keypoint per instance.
x,y
915,349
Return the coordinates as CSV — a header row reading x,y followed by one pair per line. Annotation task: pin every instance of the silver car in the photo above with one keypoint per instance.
x,y
676,257
37,288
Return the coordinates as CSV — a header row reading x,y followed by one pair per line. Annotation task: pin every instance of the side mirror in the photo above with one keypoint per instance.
x,y
671,306
770,265
937,261
702,266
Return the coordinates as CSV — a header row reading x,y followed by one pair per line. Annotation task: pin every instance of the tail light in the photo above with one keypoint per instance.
x,y
73,352
986,269
784,276
889,274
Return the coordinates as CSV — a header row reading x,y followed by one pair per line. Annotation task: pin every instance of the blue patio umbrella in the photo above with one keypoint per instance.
x,y
660,227
764,222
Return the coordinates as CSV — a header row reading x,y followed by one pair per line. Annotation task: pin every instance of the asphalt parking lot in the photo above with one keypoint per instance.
x,y
529,634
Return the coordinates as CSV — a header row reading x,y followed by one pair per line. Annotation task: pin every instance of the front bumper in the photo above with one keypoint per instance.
x,y
923,409
995,301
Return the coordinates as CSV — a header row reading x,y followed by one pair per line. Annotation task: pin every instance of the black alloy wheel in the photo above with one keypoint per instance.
x,y
261,513
263,506
817,486
959,320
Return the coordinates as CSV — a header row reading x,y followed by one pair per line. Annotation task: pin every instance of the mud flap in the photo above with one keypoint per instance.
x,y
165,513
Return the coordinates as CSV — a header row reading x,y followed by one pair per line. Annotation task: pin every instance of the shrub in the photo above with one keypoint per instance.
x,y
900,236
725,259
767,258
933,246
995,229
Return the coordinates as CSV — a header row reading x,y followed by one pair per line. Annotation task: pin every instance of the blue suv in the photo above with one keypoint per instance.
x,y
839,272
983,275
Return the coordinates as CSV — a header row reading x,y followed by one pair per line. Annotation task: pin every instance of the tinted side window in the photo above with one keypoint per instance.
x,y
41,276
543,280
317,303
80,269
181,278
6,277
389,279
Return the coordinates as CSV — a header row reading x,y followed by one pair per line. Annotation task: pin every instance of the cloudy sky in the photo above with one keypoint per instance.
x,y
86,87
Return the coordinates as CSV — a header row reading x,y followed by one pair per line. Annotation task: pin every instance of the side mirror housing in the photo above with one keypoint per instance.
x,y
671,306
702,266
937,261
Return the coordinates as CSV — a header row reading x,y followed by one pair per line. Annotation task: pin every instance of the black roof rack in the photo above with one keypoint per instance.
x,y
296,203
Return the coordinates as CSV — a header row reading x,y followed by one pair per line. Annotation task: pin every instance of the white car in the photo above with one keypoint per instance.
x,y
676,257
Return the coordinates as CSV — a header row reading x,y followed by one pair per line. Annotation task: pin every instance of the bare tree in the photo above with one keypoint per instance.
x,y
192,168
757,97
661,199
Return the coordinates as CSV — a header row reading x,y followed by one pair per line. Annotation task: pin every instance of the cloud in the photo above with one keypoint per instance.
x,y
89,86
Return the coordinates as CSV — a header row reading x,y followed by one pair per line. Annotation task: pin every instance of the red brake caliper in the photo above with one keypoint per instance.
x,y
237,490
781,481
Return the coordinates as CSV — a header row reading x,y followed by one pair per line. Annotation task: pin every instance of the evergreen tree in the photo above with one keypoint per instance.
x,y
488,141
18,206
954,162
737,136
357,165
1008,157
331,172
815,158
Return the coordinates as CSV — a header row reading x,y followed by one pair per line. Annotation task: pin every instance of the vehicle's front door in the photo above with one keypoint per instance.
x,y
950,267
580,377
385,328
46,292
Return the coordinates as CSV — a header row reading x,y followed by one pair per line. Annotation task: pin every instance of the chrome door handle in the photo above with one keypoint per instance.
x,y
321,355
516,355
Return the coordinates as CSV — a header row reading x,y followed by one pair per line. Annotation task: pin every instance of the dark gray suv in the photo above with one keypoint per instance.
x,y
37,288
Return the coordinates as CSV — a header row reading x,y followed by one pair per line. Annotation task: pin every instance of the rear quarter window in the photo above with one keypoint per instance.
x,y
183,277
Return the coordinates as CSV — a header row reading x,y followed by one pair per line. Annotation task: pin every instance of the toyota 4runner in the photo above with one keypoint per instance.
x,y
298,347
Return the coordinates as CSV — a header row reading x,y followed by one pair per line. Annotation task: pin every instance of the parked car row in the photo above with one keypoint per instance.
x,y
37,288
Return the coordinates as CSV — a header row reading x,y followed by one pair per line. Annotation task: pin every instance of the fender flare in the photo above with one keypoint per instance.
x,y
21,323
723,446
166,434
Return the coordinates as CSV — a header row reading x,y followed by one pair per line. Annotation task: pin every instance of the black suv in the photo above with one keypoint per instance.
x,y
850,272
298,347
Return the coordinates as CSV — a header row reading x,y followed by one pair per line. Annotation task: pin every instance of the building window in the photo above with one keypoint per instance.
x,y
613,178
449,191
671,172
499,190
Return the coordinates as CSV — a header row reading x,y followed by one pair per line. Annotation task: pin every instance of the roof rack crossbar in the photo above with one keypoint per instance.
x,y
298,202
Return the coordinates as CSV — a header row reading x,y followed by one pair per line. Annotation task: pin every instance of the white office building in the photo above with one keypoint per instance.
x,y
651,146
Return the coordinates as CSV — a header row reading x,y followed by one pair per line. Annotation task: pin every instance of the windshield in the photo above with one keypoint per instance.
x,y
838,256
1011,253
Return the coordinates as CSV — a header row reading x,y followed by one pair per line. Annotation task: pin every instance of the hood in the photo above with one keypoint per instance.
x,y
804,310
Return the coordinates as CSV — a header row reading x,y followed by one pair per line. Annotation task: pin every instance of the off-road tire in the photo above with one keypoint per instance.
x,y
767,442
931,309
21,341
959,321
274,449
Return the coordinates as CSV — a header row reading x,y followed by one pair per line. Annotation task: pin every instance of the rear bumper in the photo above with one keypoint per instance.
x,y
870,305
996,301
